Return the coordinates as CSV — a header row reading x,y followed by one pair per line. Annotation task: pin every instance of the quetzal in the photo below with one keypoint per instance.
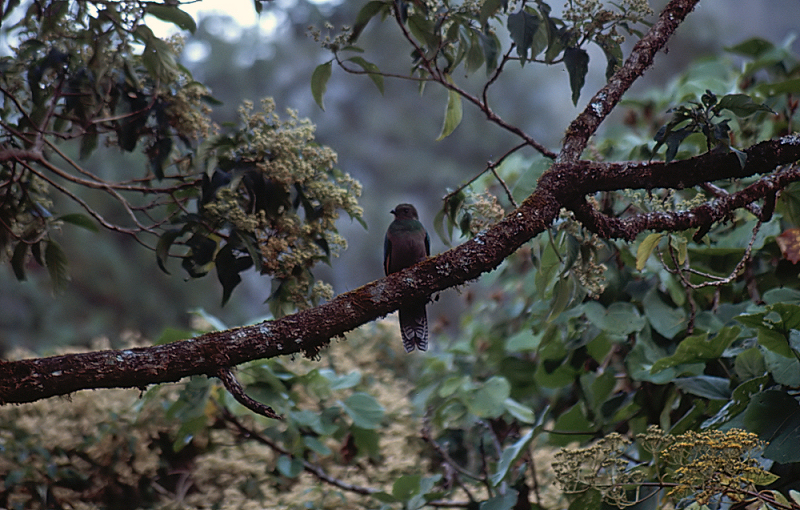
x,y
407,243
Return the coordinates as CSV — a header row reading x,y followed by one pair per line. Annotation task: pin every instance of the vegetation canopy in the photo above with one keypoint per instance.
x,y
633,339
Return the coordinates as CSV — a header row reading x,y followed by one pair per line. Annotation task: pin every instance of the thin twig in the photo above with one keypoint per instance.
x,y
235,388
490,167
490,114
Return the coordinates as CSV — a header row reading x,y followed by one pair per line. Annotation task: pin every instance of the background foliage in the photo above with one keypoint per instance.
x,y
574,338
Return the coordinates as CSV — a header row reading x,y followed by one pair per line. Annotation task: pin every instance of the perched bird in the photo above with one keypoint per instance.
x,y
407,243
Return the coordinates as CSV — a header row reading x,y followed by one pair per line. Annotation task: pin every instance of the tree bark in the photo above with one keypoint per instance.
x,y
565,185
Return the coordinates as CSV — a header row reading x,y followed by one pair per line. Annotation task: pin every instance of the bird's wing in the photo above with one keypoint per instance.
x,y
387,252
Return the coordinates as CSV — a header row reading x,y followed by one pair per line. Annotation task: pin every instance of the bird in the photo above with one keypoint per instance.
x,y
406,243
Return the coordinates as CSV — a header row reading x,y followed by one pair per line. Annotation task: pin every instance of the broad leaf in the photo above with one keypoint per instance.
x,y
56,262
510,456
452,115
364,410
80,220
522,26
319,82
577,62
371,69
741,105
775,417
369,11
697,348
172,14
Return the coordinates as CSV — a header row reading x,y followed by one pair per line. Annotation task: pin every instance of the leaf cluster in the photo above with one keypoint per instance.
x,y
87,74
270,197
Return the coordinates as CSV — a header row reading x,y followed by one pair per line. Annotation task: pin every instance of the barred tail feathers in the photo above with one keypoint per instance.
x,y
414,328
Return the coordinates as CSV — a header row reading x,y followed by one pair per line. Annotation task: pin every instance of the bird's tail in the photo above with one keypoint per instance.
x,y
414,328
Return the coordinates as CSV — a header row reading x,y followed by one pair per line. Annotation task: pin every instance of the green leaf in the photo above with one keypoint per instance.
x,y
453,113
488,9
56,262
162,247
741,105
698,348
740,399
752,47
423,29
406,487
367,442
562,295
614,57
524,340
501,501
522,26
769,89
510,455
475,57
18,260
618,319
706,386
341,382
89,142
491,50
489,400
577,62
364,410
372,69
80,220
775,417
172,14
784,370
750,364
317,446
159,59
571,421
319,82
369,11
519,411
228,269
666,320
290,467
589,500
645,249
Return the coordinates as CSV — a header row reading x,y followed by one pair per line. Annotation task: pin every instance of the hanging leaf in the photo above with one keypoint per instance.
x,y
172,14
56,262
373,72
18,260
577,62
645,249
510,455
488,9
369,11
319,82
522,26
364,410
453,113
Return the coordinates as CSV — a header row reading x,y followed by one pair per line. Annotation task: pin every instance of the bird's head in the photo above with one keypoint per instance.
x,y
405,212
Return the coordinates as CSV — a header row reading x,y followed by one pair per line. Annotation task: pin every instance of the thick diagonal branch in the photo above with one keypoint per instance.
x,y
640,59
310,330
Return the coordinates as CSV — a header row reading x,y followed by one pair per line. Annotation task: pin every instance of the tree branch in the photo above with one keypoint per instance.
x,y
640,59
308,331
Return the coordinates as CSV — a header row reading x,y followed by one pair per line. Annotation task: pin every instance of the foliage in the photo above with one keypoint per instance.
x,y
86,73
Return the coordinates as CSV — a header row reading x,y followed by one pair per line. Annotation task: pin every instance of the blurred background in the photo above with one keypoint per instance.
x,y
385,141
